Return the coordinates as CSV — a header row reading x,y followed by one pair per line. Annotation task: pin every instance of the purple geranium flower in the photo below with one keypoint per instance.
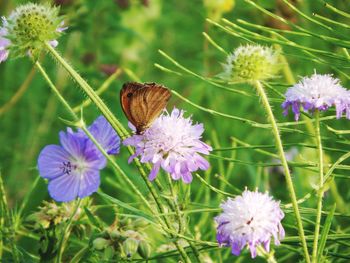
x,y
106,136
318,92
250,220
73,168
173,143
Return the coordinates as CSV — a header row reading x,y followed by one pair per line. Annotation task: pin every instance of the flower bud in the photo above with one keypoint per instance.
x,y
100,243
130,246
140,223
250,63
115,234
144,249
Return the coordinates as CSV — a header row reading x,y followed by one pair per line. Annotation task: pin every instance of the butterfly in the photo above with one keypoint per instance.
x,y
143,102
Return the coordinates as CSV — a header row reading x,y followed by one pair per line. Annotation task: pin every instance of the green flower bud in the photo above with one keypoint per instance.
x,y
251,63
30,26
115,234
100,243
130,246
140,223
144,249
108,253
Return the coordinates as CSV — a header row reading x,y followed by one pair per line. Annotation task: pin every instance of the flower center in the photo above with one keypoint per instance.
x,y
249,221
67,167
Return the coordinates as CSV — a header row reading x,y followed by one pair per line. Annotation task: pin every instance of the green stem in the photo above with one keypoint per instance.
x,y
7,230
320,189
268,256
91,93
284,162
66,233
115,124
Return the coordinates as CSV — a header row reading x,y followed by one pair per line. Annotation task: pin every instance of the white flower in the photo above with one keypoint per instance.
x,y
173,143
318,92
250,219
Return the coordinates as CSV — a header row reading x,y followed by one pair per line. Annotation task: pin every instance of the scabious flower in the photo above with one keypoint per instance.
x,y
251,219
251,62
173,143
28,28
318,92
73,168
4,43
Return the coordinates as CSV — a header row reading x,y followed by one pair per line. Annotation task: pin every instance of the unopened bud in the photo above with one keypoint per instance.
x,y
100,243
144,249
130,246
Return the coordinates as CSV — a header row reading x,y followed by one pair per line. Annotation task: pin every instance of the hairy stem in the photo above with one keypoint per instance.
x,y
279,146
320,189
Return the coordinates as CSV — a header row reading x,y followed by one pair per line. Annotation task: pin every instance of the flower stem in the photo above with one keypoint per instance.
x,y
91,93
320,189
66,233
284,162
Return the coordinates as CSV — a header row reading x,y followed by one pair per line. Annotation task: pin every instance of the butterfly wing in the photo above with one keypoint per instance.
x,y
126,95
142,103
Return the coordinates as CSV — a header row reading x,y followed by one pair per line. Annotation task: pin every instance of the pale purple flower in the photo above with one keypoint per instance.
x,y
73,168
173,143
318,92
250,219
4,42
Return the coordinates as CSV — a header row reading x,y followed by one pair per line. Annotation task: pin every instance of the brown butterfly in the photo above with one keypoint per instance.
x,y
143,102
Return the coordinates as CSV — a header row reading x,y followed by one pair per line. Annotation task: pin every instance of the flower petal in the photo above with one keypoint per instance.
x,y
64,188
89,183
154,171
105,135
51,161
187,177
73,143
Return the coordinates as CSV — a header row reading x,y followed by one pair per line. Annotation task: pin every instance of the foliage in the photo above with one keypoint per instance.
x,y
181,44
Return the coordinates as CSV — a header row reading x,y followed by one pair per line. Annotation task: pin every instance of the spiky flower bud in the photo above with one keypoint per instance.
x,y
130,246
251,62
28,28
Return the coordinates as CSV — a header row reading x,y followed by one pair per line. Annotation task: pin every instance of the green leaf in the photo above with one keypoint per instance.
x,y
325,231
126,206
95,221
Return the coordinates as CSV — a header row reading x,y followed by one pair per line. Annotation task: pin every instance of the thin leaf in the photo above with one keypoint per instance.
x,y
126,206
325,232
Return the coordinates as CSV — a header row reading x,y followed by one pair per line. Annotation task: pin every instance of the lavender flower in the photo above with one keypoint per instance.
x,y
4,43
250,219
318,92
28,28
73,168
173,143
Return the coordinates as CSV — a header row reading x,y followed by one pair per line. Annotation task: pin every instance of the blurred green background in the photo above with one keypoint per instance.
x,y
110,34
